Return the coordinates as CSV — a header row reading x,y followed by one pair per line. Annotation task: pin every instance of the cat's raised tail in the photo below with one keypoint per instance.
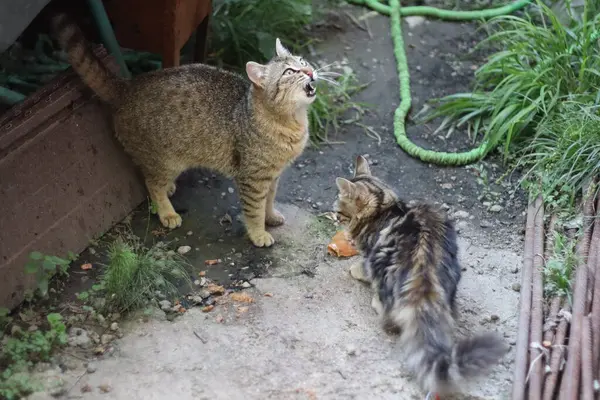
x,y
92,71
441,364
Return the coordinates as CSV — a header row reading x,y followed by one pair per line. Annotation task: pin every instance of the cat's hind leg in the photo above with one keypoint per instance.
x,y
272,216
158,186
376,304
172,189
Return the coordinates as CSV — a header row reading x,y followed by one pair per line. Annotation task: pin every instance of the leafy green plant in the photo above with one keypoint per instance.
x,y
565,152
134,274
540,66
19,354
560,266
333,101
45,267
245,30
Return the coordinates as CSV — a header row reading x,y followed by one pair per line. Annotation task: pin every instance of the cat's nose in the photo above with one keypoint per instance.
x,y
308,71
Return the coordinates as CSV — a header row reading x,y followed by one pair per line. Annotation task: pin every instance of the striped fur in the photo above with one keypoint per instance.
x,y
410,259
195,115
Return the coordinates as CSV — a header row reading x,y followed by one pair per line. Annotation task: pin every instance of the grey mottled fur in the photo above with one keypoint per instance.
x,y
410,258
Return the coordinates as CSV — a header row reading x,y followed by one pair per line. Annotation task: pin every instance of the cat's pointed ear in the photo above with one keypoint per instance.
x,y
345,187
362,166
256,73
281,51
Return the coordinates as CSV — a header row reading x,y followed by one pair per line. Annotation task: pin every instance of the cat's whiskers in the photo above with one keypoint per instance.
x,y
330,73
330,81
324,66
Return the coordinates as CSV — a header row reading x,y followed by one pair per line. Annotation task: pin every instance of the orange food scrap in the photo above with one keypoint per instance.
x,y
268,294
202,273
341,245
208,308
212,262
86,266
215,289
241,297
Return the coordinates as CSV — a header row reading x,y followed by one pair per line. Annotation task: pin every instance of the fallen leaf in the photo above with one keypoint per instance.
x,y
215,289
212,262
219,318
208,308
87,266
268,294
159,232
341,245
241,297
202,273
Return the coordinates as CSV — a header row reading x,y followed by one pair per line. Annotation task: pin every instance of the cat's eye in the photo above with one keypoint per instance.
x,y
289,71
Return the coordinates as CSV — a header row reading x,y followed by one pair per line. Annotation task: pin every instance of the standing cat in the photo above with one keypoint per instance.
x,y
410,259
191,116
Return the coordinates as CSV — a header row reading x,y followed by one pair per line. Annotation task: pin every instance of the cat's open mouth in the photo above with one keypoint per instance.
x,y
310,89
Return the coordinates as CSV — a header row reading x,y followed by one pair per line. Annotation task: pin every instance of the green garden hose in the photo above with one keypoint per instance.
x,y
396,12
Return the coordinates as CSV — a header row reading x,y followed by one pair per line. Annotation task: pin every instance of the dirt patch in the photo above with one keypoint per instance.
x,y
301,334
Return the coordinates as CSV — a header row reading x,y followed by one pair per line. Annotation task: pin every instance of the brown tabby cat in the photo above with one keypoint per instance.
x,y
410,259
191,116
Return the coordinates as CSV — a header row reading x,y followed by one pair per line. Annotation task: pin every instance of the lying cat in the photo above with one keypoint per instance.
x,y
196,115
410,259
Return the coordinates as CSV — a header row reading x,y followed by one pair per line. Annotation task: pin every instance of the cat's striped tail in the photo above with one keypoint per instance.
x,y
441,364
92,71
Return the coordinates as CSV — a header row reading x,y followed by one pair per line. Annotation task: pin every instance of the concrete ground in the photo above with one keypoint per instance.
x,y
310,332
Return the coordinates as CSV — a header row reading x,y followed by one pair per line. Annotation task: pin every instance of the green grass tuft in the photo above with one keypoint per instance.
x,y
565,153
559,267
134,274
541,65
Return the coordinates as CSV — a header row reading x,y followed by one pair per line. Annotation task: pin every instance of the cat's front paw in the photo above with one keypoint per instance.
x,y
357,272
170,220
261,239
274,218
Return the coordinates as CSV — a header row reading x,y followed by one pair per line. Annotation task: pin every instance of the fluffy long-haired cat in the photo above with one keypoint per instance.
x,y
196,115
409,256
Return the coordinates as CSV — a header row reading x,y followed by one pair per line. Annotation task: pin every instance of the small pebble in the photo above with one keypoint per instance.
x,y
494,317
246,285
461,214
114,326
496,208
516,287
91,368
351,350
184,249
165,305
484,224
